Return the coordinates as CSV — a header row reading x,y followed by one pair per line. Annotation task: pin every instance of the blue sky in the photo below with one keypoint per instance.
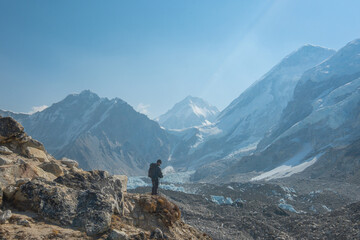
x,y
153,54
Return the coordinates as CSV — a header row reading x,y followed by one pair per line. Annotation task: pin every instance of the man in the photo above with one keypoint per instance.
x,y
155,173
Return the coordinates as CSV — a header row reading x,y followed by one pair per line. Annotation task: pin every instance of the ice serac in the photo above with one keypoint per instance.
x,y
99,133
190,112
322,117
241,125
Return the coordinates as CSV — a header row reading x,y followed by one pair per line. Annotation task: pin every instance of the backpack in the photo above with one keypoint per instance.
x,y
152,170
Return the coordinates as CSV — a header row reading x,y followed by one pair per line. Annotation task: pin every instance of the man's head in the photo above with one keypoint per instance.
x,y
158,162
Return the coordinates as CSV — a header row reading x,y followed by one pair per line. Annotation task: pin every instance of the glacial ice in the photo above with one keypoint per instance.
x,y
171,178
288,207
221,200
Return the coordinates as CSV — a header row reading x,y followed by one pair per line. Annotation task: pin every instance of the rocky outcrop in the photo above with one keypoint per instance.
x,y
5,150
159,217
69,162
52,168
82,204
57,192
14,139
10,129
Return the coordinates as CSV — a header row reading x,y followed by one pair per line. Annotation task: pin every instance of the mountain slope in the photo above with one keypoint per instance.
x,y
246,120
190,112
322,118
99,133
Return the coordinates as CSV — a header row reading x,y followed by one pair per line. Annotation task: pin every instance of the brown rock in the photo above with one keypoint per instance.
x,y
69,162
52,168
10,191
117,235
36,153
5,150
9,128
4,161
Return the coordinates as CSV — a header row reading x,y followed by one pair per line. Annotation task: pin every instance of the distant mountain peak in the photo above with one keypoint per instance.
x,y
307,51
190,112
88,94
354,42
312,46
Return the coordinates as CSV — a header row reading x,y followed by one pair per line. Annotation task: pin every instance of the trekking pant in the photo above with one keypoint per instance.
x,y
155,185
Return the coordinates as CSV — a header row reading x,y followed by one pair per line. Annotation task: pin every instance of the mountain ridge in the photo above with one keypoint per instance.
x,y
240,126
322,118
99,133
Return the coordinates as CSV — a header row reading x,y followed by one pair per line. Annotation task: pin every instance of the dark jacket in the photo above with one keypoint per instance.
x,y
156,171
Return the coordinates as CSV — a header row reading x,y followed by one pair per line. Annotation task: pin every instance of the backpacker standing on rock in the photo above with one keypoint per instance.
x,y
155,173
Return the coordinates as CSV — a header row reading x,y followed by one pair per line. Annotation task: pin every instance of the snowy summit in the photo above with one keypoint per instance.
x,y
190,112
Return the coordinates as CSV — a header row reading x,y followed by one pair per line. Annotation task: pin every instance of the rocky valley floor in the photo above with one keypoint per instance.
x,y
306,210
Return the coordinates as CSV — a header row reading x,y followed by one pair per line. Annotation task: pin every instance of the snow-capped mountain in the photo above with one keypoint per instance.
x,y
241,125
320,123
190,112
99,133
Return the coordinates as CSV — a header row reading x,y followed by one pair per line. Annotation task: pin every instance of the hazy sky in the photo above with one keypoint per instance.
x,y
153,54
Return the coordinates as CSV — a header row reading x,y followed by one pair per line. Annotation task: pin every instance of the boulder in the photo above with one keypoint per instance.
x,y
85,200
117,235
21,181
9,174
32,152
5,150
24,222
5,216
69,162
53,168
158,234
13,137
5,161
48,199
29,142
99,181
93,213
10,191
9,128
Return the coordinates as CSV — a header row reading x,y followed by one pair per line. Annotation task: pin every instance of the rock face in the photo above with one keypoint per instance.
x,y
85,200
117,235
14,139
113,187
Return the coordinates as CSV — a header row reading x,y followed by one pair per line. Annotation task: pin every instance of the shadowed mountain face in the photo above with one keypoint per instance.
x,y
319,126
98,133
190,112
